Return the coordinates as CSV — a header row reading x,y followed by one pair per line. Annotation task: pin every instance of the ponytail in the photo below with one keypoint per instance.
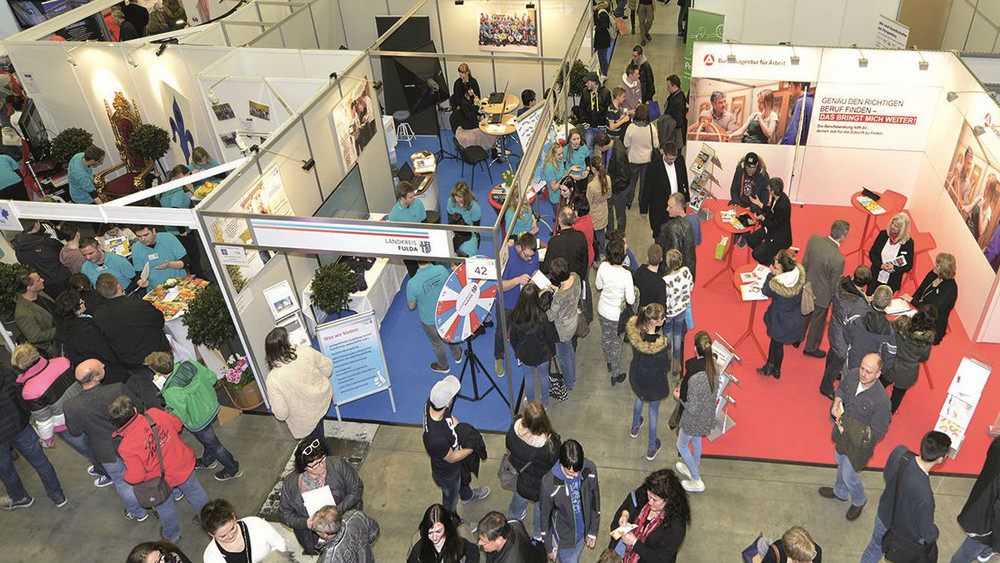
x,y
652,312
703,346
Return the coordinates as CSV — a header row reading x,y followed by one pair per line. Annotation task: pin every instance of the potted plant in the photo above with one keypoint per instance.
x,y
332,286
150,142
209,324
8,290
577,77
70,142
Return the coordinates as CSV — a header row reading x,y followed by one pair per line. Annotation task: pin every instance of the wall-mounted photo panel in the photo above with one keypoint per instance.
x,y
973,184
509,28
745,111
281,300
354,122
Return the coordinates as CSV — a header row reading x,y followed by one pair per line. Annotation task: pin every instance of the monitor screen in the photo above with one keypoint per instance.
x,y
346,202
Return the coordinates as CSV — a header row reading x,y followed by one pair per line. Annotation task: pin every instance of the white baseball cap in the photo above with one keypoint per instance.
x,y
444,391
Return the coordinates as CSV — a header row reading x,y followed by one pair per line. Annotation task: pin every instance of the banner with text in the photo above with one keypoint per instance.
x,y
704,27
355,348
873,116
374,237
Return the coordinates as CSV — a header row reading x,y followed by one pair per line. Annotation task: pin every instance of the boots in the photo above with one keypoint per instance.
x,y
675,370
766,369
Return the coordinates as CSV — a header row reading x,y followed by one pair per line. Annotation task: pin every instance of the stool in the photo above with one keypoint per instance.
x,y
403,132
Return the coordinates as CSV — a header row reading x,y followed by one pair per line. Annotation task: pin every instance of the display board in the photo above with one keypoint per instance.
x,y
354,346
354,121
381,239
267,196
508,28
963,395
972,185
705,27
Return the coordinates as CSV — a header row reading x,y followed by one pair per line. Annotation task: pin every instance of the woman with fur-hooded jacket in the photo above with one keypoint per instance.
x,y
914,338
648,370
783,317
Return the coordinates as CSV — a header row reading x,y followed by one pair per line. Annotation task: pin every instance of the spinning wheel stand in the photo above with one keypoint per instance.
x,y
471,362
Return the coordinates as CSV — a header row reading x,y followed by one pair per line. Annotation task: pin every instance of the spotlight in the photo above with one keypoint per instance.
x,y
862,61
529,6
161,49
951,97
459,2
307,165
72,61
213,98
794,60
978,130
732,56
923,64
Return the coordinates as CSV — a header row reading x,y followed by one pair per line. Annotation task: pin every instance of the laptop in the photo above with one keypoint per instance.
x,y
496,118
497,97
405,173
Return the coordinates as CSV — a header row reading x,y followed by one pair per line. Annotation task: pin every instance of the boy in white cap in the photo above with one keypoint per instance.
x,y
441,443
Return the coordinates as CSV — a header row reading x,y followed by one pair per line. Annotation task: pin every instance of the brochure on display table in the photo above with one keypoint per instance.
x,y
963,396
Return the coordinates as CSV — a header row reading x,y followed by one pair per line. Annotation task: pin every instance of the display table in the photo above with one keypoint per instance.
x,y
731,230
749,334
869,212
510,103
173,303
427,187
502,129
498,195
384,279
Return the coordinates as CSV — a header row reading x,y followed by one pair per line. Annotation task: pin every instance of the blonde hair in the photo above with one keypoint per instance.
x,y
24,356
160,362
798,544
903,221
550,155
674,260
199,154
946,265
462,189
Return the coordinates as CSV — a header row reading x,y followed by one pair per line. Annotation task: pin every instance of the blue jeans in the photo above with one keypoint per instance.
x,y
654,418
604,60
543,379
674,328
82,446
518,509
196,497
873,553
567,362
451,490
599,238
972,550
26,442
849,482
571,554
692,456
116,471
589,134
214,450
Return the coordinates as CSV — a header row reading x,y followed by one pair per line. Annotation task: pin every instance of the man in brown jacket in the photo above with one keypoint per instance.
x,y
824,265
33,312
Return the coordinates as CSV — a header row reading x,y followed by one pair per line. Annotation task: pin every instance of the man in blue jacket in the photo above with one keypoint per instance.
x,y
804,98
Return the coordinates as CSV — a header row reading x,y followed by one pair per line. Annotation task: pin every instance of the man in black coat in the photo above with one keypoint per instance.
x,y
571,244
776,224
676,105
617,167
133,327
871,332
663,178
506,541
646,81
980,517
678,233
593,108
34,247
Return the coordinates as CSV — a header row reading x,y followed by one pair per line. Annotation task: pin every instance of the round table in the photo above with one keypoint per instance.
x,y
731,229
498,195
869,215
510,103
749,334
505,127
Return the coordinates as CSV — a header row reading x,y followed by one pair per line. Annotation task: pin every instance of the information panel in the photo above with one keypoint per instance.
x,y
355,347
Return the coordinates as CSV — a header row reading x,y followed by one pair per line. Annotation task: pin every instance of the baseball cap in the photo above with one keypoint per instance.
x,y
751,159
444,391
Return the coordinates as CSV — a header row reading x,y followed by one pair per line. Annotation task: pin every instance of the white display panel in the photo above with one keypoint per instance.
x,y
872,116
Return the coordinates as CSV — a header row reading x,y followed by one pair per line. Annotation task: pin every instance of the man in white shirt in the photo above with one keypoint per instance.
x,y
662,179
824,265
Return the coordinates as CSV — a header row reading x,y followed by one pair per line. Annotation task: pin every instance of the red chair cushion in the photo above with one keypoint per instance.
x,y
122,185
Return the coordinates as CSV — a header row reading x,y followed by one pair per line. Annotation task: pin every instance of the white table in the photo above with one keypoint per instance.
x,y
384,279
184,349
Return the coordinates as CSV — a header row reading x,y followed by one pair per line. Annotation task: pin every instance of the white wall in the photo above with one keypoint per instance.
x,y
973,26
802,22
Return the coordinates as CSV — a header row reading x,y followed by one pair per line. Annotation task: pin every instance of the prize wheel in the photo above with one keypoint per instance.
x,y
463,305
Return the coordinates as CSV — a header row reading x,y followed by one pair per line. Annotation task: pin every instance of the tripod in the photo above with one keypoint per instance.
x,y
471,362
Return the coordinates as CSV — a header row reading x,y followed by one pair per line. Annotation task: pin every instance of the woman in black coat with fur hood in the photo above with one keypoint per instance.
x,y
914,338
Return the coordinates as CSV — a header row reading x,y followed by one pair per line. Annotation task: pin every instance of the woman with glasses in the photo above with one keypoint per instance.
x,y
440,541
316,469
157,552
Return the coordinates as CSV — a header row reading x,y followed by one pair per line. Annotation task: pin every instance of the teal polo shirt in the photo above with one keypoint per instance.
x,y
555,173
8,171
424,288
415,213
81,180
114,264
167,248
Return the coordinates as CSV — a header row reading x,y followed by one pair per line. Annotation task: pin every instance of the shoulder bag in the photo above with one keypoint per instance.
x,y
897,547
808,299
156,491
508,473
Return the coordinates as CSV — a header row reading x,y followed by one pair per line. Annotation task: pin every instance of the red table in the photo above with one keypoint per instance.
x,y
868,222
731,230
749,334
498,195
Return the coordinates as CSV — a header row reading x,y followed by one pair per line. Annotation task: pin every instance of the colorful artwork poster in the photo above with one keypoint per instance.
x,y
267,197
508,27
354,121
972,184
179,115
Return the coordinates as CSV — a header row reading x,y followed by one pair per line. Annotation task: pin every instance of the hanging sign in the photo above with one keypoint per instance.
x,y
8,219
373,237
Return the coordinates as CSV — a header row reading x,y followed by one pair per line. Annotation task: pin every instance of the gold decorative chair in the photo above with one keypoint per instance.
x,y
124,118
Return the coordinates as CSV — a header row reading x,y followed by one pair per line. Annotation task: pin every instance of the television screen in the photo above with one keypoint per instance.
x,y
346,202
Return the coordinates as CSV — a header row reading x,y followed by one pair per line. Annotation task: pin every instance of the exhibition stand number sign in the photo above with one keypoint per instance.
x,y
355,348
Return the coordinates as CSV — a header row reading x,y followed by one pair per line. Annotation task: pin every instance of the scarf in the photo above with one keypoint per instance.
x,y
642,533
307,483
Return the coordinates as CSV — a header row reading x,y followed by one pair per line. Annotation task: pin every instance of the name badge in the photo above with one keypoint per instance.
x,y
101,268
153,256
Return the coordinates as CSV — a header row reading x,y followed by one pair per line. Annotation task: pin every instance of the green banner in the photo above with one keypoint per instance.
x,y
702,26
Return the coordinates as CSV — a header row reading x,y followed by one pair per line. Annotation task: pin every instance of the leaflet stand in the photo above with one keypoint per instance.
x,y
702,170
964,393
724,355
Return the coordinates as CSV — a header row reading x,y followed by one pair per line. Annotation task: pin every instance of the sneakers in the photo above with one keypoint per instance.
x,y
439,368
854,512
198,464
102,481
827,492
693,486
634,433
651,454
498,368
93,472
62,503
225,475
616,379
9,504
461,355
130,517
478,494
179,496
682,468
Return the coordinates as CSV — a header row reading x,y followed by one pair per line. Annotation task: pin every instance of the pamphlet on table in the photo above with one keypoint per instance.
x,y
871,205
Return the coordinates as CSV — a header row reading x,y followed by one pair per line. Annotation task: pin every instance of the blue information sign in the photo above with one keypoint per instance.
x,y
354,346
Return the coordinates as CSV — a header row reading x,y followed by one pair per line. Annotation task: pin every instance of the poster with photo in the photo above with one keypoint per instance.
x,y
508,27
756,111
177,110
281,300
267,197
229,140
223,111
354,121
972,184
260,111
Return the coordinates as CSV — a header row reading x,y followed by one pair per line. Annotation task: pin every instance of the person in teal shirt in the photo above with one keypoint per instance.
x,y
11,182
554,170
525,222
178,197
408,208
463,203
577,155
422,292
80,175
165,255
101,262
201,161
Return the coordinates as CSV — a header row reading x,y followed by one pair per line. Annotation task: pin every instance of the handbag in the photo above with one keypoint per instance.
x,y
754,553
622,28
654,153
627,313
508,473
582,326
808,299
156,491
896,547
654,110
557,385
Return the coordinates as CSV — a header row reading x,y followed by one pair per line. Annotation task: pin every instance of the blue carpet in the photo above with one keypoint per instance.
x,y
407,350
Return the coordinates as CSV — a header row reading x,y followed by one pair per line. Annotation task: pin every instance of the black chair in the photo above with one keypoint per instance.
x,y
473,156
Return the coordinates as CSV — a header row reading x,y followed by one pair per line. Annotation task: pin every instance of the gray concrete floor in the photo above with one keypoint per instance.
x,y
742,498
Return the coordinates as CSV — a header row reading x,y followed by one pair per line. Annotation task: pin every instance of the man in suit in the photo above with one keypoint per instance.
x,y
33,312
824,265
776,224
661,181
676,105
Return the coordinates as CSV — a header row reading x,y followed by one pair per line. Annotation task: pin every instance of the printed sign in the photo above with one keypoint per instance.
x,y
355,348
873,116
890,34
8,219
706,27
373,237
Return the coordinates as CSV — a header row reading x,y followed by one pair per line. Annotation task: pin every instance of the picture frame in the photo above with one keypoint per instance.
x,y
281,300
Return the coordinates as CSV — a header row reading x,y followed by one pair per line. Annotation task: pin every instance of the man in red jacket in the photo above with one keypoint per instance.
x,y
139,452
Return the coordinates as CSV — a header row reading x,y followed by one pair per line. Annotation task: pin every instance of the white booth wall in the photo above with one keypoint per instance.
x,y
802,22
973,25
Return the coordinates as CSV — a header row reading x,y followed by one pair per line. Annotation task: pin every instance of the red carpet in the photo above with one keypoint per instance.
x,y
787,419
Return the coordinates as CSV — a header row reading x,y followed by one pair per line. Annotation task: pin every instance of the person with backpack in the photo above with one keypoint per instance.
x,y
533,337
571,504
189,394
